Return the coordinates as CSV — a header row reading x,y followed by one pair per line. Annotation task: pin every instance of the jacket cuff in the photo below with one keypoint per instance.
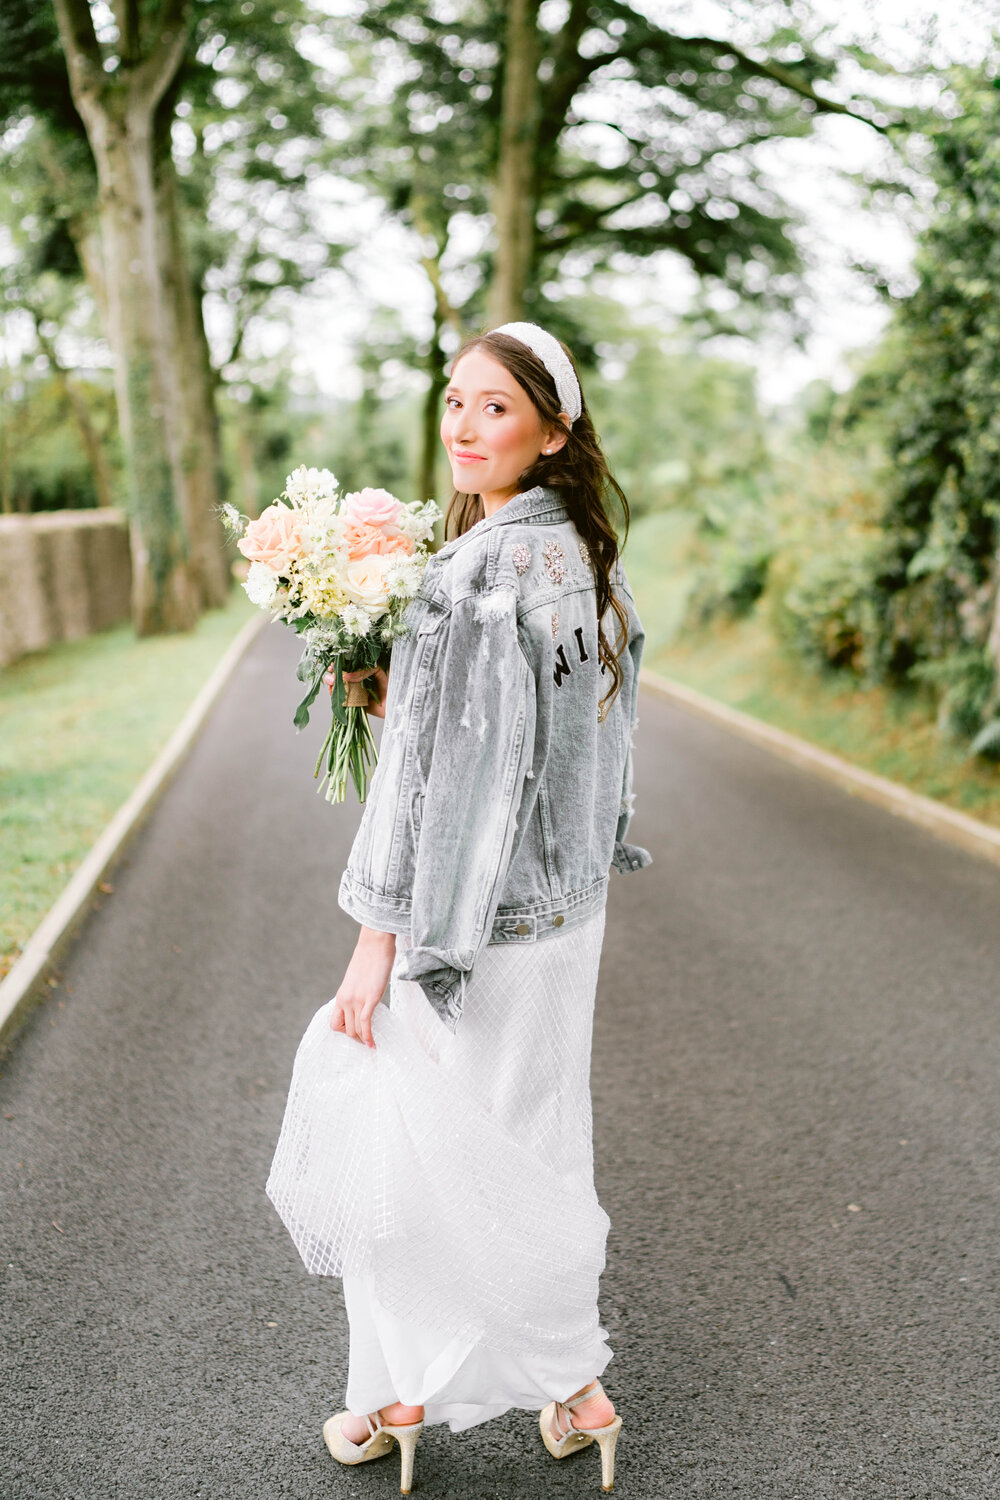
x,y
442,983
630,857
383,913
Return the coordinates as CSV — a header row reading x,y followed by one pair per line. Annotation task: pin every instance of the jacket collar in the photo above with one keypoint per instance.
x,y
540,503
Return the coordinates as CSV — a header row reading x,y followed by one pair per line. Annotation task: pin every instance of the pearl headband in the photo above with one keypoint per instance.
x,y
552,355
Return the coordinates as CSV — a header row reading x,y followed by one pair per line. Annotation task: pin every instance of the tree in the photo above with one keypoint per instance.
x,y
176,570
251,110
607,133
937,379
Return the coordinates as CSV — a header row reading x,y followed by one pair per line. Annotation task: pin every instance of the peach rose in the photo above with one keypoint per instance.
x,y
364,582
397,542
372,507
364,540
273,539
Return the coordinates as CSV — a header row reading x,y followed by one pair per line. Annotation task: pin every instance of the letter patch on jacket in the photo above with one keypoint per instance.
x,y
563,668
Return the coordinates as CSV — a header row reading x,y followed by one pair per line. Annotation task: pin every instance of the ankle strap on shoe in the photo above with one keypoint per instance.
x,y
596,1389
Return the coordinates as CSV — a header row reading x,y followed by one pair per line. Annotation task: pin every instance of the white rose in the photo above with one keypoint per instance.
x,y
261,584
364,582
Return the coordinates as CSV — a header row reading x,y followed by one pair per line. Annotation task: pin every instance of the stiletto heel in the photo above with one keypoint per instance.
x,y
562,1440
406,1437
607,1437
377,1445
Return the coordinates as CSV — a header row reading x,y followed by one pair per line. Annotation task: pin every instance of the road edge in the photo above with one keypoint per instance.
x,y
956,827
22,987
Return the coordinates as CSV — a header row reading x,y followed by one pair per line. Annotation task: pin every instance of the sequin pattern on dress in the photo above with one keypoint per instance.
x,y
555,561
521,554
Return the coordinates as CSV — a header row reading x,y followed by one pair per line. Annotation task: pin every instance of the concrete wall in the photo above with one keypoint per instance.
x,y
63,574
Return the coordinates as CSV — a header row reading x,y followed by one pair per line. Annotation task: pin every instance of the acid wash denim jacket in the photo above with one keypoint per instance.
x,y
500,802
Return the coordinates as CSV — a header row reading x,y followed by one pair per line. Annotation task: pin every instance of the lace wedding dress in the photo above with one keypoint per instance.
x,y
448,1178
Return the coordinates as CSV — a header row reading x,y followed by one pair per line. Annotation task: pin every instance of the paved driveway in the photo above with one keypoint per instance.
x,y
797,1095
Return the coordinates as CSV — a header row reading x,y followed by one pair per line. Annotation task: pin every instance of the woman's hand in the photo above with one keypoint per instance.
x,y
377,681
363,986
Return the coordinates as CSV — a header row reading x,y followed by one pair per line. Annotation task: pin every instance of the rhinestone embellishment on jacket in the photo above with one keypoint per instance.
x,y
555,623
555,561
584,553
521,554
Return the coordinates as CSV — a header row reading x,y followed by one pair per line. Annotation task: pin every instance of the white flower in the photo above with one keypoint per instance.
x,y
232,520
261,584
357,620
403,575
364,582
310,484
417,521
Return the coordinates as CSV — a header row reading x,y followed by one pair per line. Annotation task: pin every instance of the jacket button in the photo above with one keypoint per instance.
x,y
522,929
558,921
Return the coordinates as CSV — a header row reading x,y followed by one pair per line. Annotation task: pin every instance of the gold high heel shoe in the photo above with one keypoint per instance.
x,y
378,1444
561,1438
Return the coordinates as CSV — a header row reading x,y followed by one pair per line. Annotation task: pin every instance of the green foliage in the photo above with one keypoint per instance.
x,y
963,681
666,161
43,465
823,603
987,741
937,589
680,428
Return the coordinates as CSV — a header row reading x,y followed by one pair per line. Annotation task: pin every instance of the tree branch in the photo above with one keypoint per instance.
x,y
788,79
84,61
164,53
127,18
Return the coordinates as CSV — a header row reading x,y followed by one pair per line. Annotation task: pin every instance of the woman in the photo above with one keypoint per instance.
x,y
445,1168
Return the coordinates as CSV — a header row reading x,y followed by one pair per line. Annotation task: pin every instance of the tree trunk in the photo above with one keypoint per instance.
x,y
165,595
193,409
514,185
118,113
431,442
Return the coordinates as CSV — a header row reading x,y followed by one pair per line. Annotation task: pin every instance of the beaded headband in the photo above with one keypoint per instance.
x,y
552,355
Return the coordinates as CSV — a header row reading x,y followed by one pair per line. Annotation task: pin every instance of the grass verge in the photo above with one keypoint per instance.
x,y
79,726
895,735
744,665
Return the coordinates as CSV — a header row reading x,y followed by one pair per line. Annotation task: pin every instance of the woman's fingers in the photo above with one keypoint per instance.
x,y
354,1018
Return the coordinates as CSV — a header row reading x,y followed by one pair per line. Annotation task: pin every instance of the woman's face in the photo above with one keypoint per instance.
x,y
491,429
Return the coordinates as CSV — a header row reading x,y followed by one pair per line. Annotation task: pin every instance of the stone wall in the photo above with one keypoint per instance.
x,y
63,574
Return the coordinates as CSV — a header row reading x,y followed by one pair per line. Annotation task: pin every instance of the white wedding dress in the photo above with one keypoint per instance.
x,y
448,1178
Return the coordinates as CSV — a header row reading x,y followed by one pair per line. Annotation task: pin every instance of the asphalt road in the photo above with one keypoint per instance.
x,y
797,1108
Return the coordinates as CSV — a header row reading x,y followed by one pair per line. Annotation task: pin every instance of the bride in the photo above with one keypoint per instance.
x,y
436,1152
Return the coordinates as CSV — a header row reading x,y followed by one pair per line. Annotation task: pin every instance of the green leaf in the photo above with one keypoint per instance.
x,y
301,718
987,741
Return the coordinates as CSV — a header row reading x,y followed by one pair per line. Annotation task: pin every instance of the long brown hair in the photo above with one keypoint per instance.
x,y
579,471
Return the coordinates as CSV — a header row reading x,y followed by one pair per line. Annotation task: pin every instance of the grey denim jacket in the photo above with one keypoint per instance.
x,y
500,802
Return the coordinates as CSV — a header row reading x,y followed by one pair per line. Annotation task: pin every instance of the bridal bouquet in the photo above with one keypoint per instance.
x,y
340,569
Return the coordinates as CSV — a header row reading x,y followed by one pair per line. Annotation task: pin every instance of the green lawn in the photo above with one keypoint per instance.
x,y
742,664
79,725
